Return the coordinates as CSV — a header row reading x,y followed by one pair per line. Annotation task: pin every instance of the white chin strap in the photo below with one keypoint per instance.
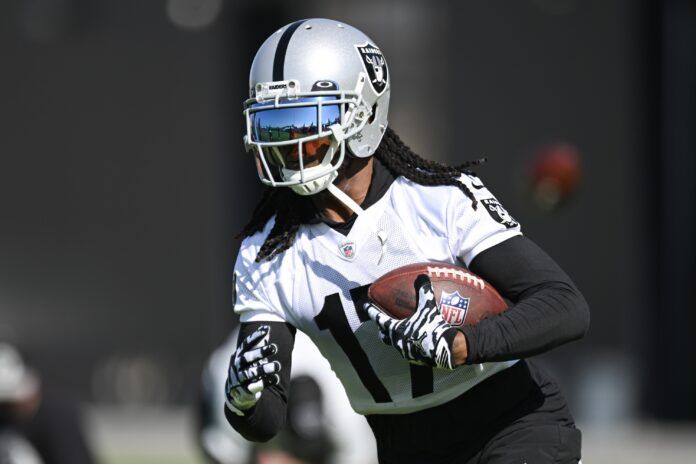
x,y
357,209
313,186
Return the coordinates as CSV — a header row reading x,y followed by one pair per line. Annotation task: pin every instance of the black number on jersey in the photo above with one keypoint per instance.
x,y
332,317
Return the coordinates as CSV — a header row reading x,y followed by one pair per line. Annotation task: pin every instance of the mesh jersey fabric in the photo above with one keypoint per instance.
x,y
317,287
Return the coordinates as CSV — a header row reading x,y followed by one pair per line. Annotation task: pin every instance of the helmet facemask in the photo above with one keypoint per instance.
x,y
288,129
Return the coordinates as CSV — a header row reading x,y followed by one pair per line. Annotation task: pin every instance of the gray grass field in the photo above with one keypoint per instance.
x,y
147,435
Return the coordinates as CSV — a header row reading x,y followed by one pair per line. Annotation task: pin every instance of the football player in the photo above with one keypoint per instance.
x,y
347,201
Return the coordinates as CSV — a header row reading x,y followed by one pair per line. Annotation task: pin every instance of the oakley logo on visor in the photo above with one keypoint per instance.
x,y
324,85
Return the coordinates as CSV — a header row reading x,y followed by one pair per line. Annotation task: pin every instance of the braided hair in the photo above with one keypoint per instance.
x,y
293,210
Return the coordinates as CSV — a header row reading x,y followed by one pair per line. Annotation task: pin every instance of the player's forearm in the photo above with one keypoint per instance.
x,y
263,421
548,311
534,325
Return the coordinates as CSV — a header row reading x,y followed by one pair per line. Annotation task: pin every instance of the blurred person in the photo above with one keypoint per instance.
x,y
347,204
321,426
19,400
305,436
37,424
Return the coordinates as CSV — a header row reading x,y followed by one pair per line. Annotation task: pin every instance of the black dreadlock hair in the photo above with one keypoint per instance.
x,y
293,210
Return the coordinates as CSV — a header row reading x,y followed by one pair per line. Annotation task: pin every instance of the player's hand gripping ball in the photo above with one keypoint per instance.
x,y
422,338
251,371
463,297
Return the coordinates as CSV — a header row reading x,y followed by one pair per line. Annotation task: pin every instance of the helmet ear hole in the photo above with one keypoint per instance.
x,y
374,113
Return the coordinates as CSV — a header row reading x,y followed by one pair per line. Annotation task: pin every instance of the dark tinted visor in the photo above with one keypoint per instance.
x,y
281,124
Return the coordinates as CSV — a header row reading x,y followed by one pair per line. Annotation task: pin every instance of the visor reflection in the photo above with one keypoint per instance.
x,y
282,124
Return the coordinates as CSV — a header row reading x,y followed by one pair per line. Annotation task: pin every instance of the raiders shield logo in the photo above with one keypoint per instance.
x,y
374,64
497,212
453,308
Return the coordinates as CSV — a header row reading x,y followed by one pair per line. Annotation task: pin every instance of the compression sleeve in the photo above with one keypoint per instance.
x,y
548,309
263,421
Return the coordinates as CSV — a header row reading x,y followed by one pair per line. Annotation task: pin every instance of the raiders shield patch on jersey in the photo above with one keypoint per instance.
x,y
375,66
497,212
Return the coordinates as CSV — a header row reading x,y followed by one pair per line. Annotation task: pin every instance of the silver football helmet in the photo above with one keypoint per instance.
x,y
317,87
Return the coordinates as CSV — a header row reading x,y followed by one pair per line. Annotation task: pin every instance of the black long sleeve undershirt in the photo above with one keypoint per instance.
x,y
263,421
548,309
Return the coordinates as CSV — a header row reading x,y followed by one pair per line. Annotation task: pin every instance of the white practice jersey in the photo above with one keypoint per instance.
x,y
319,286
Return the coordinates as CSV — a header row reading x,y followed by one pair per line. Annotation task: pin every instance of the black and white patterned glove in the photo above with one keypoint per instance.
x,y
423,338
251,371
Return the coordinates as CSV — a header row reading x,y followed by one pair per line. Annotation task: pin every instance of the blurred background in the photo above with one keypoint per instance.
x,y
123,182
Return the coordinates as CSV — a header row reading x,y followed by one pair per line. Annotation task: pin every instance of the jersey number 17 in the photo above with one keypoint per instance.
x,y
332,317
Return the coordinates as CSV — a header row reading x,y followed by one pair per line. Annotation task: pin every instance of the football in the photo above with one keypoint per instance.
x,y
463,297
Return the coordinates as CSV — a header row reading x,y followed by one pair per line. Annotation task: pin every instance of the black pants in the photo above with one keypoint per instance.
x,y
517,416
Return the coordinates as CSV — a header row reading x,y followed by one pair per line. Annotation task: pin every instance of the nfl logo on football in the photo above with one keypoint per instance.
x,y
347,249
453,308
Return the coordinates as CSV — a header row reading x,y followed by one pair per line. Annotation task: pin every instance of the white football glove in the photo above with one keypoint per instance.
x,y
423,338
251,371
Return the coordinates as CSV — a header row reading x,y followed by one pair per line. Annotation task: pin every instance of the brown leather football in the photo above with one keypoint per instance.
x,y
464,298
